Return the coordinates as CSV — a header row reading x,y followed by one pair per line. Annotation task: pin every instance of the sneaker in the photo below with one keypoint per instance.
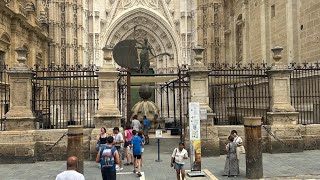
x,y
120,169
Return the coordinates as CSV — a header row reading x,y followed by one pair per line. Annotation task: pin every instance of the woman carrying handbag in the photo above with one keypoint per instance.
x,y
178,160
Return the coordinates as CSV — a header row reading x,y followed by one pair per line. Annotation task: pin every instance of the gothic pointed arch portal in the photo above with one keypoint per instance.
x,y
147,24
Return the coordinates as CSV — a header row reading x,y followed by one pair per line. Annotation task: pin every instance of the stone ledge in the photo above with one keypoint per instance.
x,y
17,153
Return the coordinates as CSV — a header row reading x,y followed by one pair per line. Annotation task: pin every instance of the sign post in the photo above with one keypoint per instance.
x,y
158,136
195,140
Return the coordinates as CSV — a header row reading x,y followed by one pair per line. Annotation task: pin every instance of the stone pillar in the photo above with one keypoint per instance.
x,y
254,167
282,117
108,115
20,116
199,87
75,145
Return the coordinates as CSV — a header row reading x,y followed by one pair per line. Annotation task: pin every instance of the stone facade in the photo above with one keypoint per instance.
x,y
265,24
75,32
22,25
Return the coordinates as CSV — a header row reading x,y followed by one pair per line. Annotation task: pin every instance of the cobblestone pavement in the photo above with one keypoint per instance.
x,y
303,165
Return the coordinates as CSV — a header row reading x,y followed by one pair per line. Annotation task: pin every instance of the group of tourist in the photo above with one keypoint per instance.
x,y
112,149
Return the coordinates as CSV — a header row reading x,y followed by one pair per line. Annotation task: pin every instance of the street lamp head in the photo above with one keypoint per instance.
x,y
277,53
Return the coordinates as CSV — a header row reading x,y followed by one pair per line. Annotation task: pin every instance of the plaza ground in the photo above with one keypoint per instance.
x,y
302,165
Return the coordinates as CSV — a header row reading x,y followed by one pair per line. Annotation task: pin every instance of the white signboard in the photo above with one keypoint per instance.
x,y
203,114
159,133
194,120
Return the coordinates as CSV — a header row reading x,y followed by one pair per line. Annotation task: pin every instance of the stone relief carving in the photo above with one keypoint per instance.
x,y
154,4
29,7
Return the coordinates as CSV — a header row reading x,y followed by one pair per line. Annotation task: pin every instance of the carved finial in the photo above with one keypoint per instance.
x,y
277,53
198,51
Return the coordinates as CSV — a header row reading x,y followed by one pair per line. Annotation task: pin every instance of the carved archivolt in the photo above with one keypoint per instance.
x,y
148,24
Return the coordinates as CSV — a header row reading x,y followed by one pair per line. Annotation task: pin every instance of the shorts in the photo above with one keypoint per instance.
x,y
108,175
127,143
120,151
137,156
145,132
178,166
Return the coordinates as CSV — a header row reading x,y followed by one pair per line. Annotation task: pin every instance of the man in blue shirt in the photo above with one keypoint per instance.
x,y
136,143
146,128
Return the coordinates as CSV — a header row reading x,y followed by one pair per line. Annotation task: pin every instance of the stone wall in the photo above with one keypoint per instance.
x,y
20,27
34,145
255,34
309,30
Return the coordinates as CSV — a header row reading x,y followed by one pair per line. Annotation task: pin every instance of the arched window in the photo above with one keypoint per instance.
x,y
4,47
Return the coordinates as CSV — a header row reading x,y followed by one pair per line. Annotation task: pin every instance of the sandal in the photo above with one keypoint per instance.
x,y
131,163
139,174
126,164
134,171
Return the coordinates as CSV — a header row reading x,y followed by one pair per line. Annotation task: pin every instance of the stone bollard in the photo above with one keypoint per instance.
x,y
75,145
254,168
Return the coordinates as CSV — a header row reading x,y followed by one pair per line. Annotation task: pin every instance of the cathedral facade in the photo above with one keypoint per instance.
x,y
231,31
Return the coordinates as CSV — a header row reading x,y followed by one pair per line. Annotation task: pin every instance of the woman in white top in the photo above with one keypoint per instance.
x,y
178,160
239,142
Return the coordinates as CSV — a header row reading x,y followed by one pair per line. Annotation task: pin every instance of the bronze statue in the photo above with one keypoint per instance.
x,y
144,56
125,53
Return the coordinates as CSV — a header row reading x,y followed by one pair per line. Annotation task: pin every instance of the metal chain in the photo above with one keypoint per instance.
x,y
275,137
65,134
316,144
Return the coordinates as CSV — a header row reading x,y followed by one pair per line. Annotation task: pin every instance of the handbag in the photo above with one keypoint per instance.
x,y
242,150
174,158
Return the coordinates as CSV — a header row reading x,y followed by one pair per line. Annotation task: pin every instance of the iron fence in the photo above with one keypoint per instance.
x,y
65,95
237,91
305,92
4,95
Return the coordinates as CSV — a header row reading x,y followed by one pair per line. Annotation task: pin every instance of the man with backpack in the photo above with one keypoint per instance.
x,y
108,157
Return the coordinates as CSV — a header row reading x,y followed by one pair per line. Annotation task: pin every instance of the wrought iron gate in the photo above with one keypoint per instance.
x,y
65,95
237,91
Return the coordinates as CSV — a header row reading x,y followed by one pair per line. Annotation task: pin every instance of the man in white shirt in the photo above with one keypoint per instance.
x,y
118,138
71,173
135,123
178,160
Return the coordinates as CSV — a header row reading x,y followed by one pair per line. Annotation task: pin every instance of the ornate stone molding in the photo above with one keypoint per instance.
x,y
146,20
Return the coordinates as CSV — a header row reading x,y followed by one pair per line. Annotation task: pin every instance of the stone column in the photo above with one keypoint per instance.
x,y
75,145
253,146
199,87
108,115
20,116
282,117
